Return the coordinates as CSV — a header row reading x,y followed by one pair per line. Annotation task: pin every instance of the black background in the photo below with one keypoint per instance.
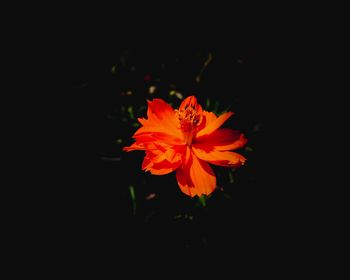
x,y
92,209
82,206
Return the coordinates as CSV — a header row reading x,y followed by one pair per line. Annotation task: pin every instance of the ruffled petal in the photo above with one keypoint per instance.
x,y
135,146
162,159
222,139
189,101
162,120
195,177
158,137
222,158
211,123
164,167
187,140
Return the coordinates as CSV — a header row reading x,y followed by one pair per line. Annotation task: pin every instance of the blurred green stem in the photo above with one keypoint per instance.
x,y
133,199
203,200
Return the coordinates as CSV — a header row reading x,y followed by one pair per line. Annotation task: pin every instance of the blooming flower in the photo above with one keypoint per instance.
x,y
185,141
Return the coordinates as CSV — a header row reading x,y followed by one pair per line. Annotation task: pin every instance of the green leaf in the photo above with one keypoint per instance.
x,y
131,112
230,176
203,200
133,199
207,104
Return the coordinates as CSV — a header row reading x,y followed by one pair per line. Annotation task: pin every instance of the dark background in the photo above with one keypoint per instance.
x,y
93,206
83,208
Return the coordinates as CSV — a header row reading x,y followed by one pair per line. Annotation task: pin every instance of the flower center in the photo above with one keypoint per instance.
x,y
188,121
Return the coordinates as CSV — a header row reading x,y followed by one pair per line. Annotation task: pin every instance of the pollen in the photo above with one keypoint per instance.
x,y
188,121
188,118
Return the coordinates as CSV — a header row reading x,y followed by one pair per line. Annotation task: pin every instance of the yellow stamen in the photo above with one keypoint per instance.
x,y
188,121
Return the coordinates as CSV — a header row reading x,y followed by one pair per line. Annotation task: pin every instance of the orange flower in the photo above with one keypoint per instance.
x,y
186,140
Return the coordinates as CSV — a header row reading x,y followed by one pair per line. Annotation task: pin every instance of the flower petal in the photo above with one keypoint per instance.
x,y
135,146
196,177
222,158
160,167
222,139
162,159
158,136
161,119
164,167
211,123
189,101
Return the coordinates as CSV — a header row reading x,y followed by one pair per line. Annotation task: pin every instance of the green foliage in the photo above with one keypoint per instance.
x,y
207,104
230,176
203,200
131,113
133,199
